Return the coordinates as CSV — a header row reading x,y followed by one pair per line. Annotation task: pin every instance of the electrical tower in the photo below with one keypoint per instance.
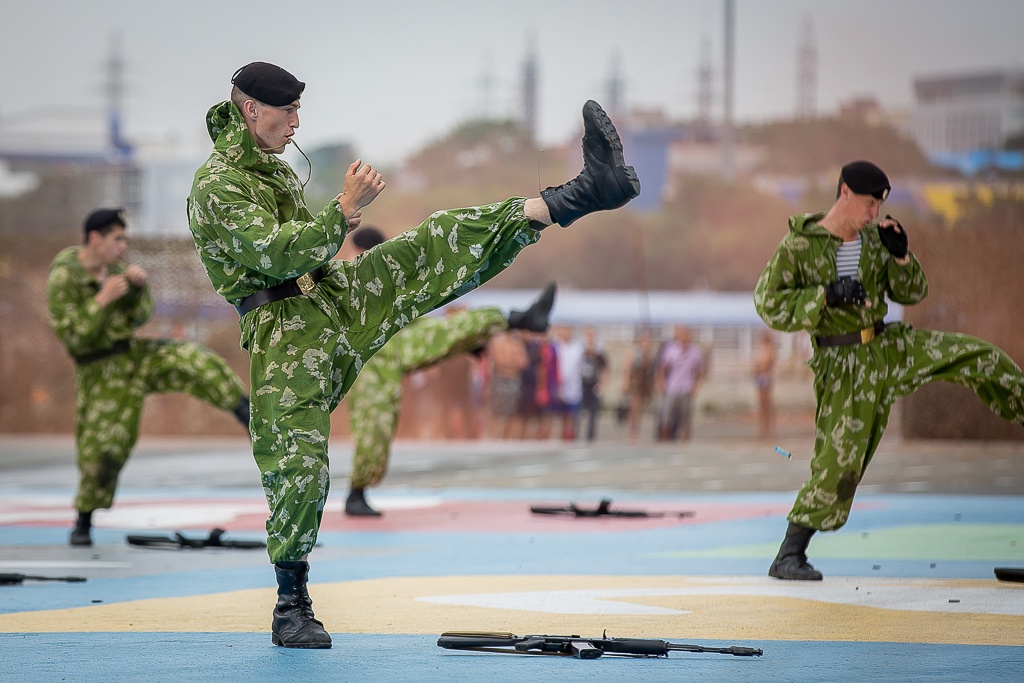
x,y
705,89
807,74
615,87
530,89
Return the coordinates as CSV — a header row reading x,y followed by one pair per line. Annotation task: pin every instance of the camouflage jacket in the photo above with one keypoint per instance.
x,y
248,216
790,294
78,320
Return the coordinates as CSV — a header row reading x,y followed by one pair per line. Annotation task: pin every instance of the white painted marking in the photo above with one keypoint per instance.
x,y
918,595
61,564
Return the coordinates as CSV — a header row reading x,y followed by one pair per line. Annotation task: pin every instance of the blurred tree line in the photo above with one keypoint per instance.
x,y
708,234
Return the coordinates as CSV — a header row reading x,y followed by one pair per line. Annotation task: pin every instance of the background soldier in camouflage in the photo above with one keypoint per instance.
x,y
376,397
310,323
831,276
95,305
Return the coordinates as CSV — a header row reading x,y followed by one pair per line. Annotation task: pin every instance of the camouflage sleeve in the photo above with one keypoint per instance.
x,y
141,304
76,317
782,299
251,233
907,283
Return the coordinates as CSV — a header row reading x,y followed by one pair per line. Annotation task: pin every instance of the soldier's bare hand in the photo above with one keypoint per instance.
x,y
354,220
112,289
361,186
136,275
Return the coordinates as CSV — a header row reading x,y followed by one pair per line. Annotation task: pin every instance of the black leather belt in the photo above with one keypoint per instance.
x,y
304,284
118,347
861,337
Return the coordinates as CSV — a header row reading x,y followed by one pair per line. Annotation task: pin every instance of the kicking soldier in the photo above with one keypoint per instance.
x,y
831,276
376,397
310,323
95,304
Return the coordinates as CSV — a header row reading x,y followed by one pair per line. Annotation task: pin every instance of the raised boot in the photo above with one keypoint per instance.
x,y
294,624
537,317
356,505
605,182
81,534
791,562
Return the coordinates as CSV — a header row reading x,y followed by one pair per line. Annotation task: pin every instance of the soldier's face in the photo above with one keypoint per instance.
x,y
112,246
273,127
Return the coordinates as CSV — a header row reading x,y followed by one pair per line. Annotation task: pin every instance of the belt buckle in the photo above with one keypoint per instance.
x,y
305,283
867,334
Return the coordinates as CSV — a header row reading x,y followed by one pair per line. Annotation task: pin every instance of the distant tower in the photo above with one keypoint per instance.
x,y
114,90
807,74
530,89
705,88
728,147
615,88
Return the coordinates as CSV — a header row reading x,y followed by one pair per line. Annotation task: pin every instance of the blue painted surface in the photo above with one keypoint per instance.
x,y
174,657
745,547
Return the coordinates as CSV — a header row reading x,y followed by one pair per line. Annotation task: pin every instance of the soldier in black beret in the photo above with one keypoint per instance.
x,y
309,322
833,275
96,303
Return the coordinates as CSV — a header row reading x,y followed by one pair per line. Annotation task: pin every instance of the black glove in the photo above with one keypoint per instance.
x,y
894,239
845,291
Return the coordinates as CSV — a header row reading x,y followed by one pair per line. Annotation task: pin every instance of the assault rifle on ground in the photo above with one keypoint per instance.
x,y
603,509
576,646
16,579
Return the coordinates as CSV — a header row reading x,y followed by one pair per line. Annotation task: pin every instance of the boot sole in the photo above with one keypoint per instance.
x,y
301,646
625,176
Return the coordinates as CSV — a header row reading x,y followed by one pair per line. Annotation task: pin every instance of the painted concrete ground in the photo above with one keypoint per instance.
x,y
909,592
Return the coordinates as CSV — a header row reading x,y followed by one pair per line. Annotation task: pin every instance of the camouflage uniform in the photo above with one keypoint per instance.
x,y
374,399
856,385
252,230
109,392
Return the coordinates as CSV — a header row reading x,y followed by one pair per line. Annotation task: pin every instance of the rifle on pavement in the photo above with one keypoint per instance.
x,y
576,646
16,579
603,509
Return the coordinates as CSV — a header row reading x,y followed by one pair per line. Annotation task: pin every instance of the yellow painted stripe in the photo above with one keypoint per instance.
x,y
396,605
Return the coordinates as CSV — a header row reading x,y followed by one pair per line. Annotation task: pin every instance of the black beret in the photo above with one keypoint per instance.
x,y
268,83
863,177
367,238
101,218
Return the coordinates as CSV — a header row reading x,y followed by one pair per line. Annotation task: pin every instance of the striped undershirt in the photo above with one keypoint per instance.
x,y
847,258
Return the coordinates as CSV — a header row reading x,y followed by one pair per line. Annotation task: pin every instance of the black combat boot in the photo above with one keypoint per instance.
x,y
241,411
791,562
356,505
294,624
537,317
605,182
81,535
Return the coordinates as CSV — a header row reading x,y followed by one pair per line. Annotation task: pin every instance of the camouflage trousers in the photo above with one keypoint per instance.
x,y
375,398
109,394
306,351
855,387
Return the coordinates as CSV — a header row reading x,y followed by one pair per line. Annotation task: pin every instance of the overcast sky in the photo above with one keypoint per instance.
x,y
391,76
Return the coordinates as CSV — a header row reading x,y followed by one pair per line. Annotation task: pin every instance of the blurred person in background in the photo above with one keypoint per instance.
x,y
641,364
96,303
682,366
507,361
831,275
593,369
764,377
570,379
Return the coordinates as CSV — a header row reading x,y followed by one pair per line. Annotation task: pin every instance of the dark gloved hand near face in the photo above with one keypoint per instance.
x,y
846,291
894,237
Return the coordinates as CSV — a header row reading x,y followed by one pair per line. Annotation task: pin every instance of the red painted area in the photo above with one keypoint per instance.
x,y
515,517
446,517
